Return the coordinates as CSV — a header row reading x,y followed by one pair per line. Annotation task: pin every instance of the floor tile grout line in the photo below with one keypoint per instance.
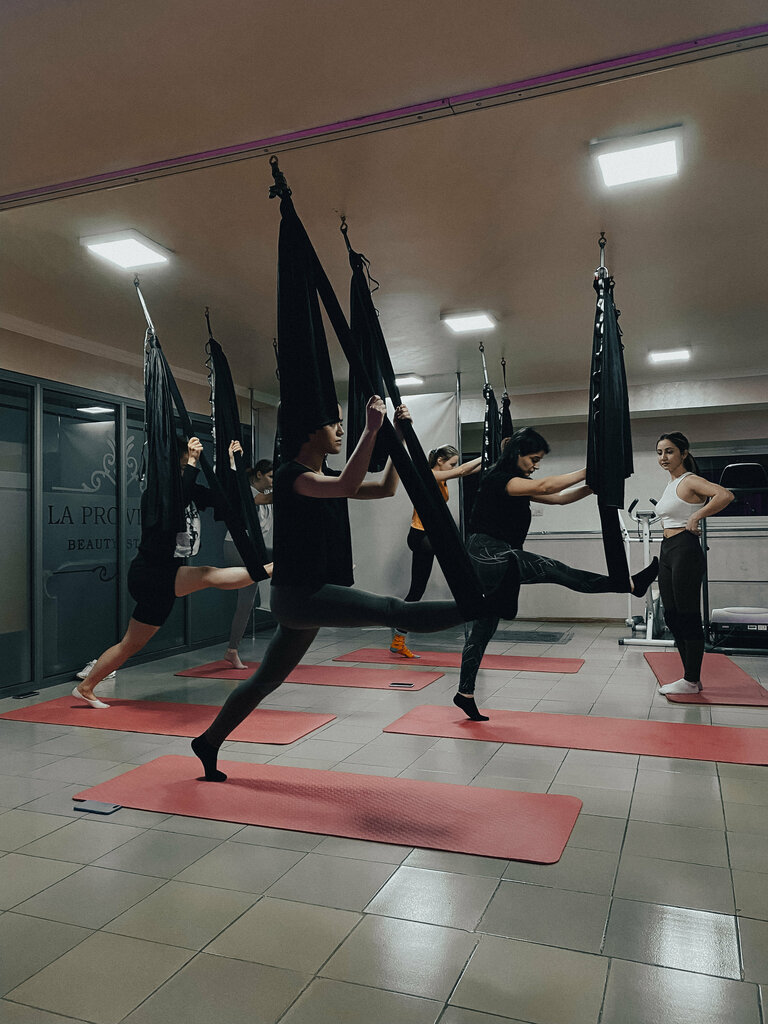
x,y
736,919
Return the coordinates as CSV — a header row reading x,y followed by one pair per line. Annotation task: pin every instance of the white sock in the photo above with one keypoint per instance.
x,y
681,686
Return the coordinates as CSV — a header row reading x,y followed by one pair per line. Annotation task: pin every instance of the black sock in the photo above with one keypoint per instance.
x,y
208,755
643,579
468,706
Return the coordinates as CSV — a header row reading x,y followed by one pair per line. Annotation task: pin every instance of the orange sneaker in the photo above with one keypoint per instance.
x,y
398,646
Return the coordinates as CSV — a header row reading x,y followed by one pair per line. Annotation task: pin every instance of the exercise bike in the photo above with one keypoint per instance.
x,y
648,628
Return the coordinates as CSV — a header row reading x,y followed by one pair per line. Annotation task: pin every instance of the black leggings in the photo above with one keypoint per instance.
x,y
300,613
490,558
681,571
421,563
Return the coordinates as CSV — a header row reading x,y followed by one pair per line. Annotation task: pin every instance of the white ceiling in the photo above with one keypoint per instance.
x,y
495,208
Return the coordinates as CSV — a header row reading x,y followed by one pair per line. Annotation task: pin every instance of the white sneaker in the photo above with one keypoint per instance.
x,y
83,673
681,686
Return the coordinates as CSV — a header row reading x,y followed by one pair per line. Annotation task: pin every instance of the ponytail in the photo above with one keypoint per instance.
x,y
680,441
446,451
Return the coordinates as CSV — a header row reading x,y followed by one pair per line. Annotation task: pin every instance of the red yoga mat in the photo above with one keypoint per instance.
x,y
407,812
722,681
153,716
579,732
452,659
324,675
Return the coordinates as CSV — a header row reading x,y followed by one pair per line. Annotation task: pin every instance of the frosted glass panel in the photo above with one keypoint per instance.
x,y
15,551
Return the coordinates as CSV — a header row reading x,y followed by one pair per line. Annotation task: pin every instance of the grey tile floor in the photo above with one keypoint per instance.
x,y
657,911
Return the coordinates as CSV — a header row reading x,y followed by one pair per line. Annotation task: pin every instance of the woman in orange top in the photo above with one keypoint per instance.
x,y
444,463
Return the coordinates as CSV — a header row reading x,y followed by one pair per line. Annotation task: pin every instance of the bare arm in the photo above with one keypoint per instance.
x,y
465,469
347,484
263,498
385,487
564,497
522,486
696,488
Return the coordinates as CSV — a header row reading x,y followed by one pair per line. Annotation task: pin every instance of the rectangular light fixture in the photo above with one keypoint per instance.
x,y
639,157
127,249
460,323
94,408
671,355
408,378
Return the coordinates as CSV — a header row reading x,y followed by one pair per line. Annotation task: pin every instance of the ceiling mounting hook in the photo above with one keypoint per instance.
x,y
280,187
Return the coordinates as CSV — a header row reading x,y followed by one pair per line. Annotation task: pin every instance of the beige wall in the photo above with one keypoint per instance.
x,y
96,368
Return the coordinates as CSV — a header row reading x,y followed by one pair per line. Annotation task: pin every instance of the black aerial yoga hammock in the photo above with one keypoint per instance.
x,y
368,339
225,415
507,427
307,393
609,438
491,422
491,430
278,445
165,505
164,508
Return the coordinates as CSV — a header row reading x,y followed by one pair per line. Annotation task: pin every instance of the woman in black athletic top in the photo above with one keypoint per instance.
x,y
312,581
499,524
158,574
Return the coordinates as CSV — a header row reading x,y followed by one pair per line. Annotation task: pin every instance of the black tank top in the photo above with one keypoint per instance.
x,y
499,514
312,540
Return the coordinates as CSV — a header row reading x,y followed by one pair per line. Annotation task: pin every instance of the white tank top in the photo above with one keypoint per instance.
x,y
672,510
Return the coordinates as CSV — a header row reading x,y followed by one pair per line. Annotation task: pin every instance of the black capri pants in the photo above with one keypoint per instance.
x,y
681,573
152,585
423,558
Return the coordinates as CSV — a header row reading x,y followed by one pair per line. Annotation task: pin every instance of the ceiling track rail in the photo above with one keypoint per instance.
x,y
616,69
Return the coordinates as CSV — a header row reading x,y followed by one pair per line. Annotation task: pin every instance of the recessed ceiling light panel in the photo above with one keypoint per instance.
x,y
671,355
94,408
408,378
129,249
639,157
461,323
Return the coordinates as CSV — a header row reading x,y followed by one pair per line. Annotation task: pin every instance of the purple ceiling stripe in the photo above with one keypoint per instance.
x,y
617,62
430,106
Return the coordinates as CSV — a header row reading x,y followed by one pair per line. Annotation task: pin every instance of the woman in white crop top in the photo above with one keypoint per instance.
x,y
687,499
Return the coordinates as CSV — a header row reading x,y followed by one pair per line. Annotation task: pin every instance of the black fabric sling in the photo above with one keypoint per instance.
x,y
301,279
609,437
507,427
491,430
226,427
365,328
164,504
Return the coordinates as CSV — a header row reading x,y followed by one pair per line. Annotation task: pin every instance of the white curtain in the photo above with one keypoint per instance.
x,y
380,528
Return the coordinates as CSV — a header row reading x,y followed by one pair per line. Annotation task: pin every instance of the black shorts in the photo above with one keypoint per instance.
x,y
153,588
